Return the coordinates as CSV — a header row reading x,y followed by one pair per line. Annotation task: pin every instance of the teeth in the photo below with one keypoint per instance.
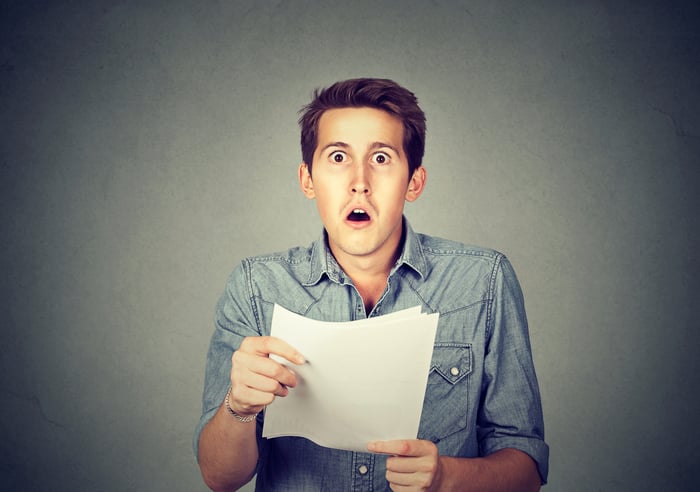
x,y
358,215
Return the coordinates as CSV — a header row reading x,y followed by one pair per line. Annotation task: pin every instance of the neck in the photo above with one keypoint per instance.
x,y
363,269
369,273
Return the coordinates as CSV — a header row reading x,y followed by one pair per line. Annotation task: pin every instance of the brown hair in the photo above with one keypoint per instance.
x,y
382,94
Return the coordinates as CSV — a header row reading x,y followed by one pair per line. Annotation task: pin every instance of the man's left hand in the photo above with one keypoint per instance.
x,y
412,464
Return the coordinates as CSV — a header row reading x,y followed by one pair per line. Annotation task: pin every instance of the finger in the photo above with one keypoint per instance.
x,y
421,464
250,400
399,481
406,447
245,364
419,473
251,391
264,384
266,346
408,481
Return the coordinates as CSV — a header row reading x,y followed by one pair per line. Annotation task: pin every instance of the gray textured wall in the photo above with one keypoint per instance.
x,y
147,148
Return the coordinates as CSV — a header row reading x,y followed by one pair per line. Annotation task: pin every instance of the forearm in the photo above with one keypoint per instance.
x,y
503,471
228,452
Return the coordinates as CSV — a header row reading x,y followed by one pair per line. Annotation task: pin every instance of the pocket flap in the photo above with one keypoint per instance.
x,y
453,361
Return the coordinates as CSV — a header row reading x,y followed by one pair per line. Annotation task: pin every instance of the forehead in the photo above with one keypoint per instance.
x,y
358,126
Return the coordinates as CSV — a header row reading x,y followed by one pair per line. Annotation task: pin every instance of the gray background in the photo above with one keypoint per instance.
x,y
148,146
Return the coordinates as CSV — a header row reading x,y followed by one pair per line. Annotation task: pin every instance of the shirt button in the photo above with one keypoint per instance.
x,y
454,371
362,470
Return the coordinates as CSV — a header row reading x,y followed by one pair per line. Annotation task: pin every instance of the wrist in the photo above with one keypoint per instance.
x,y
238,416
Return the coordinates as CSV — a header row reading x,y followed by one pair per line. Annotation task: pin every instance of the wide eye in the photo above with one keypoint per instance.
x,y
338,157
381,158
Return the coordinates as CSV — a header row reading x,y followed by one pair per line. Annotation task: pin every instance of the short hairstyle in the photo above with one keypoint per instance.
x,y
382,94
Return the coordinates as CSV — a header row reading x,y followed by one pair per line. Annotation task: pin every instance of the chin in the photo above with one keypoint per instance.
x,y
355,249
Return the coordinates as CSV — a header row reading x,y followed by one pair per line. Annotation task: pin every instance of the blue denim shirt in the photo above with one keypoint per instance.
x,y
482,393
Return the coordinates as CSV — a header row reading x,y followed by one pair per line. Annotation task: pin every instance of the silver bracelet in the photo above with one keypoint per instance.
x,y
240,418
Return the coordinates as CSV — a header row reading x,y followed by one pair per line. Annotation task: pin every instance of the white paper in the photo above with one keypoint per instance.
x,y
362,381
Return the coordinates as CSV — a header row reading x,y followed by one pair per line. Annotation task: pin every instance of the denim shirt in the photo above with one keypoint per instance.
x,y
482,393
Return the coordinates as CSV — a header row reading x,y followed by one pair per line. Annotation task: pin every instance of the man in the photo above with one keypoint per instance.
x,y
481,426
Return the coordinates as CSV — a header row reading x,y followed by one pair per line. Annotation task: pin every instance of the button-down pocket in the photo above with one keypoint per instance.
x,y
446,396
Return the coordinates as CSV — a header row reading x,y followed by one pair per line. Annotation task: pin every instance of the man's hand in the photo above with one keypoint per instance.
x,y
413,464
256,379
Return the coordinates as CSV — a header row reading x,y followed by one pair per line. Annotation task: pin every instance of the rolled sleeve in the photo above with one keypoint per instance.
x,y
234,320
510,415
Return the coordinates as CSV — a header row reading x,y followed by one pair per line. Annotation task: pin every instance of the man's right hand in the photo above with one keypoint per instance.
x,y
256,379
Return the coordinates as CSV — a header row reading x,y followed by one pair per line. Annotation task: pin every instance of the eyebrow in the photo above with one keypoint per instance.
x,y
372,146
342,145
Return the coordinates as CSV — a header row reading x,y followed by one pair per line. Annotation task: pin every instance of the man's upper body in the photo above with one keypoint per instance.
x,y
481,426
482,391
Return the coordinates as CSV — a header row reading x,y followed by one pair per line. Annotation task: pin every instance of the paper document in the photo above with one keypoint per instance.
x,y
362,381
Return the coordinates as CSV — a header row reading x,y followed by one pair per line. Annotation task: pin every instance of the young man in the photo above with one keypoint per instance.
x,y
481,425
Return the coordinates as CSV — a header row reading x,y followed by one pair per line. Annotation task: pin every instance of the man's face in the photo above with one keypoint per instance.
x,y
360,181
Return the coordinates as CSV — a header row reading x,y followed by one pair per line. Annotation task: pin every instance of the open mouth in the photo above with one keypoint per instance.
x,y
358,215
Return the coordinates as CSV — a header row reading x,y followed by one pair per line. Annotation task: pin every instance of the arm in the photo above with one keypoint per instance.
x,y
228,450
416,465
505,470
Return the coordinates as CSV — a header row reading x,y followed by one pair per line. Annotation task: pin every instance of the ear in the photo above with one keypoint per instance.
x,y
305,182
416,184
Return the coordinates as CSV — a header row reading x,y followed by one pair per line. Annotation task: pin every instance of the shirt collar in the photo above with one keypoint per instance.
x,y
323,262
412,254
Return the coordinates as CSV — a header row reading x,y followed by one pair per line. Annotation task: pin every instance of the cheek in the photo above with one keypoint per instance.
x,y
396,198
325,202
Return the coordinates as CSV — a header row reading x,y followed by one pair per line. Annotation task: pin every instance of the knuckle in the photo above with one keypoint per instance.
x,y
277,371
269,398
247,341
254,344
270,386
265,344
236,359
238,363
239,395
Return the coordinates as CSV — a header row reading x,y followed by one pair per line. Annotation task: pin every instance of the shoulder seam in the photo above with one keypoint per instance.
x,y
491,292
246,264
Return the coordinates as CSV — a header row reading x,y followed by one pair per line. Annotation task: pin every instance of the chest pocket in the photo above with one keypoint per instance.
x,y
447,393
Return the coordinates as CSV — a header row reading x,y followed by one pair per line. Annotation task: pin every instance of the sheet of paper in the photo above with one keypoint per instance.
x,y
362,381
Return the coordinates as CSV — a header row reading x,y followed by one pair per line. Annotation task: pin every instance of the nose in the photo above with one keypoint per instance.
x,y
360,179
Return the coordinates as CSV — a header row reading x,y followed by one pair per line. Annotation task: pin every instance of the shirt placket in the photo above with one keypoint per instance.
x,y
362,472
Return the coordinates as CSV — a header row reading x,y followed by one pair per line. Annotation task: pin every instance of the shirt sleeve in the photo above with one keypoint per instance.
x,y
235,318
510,413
